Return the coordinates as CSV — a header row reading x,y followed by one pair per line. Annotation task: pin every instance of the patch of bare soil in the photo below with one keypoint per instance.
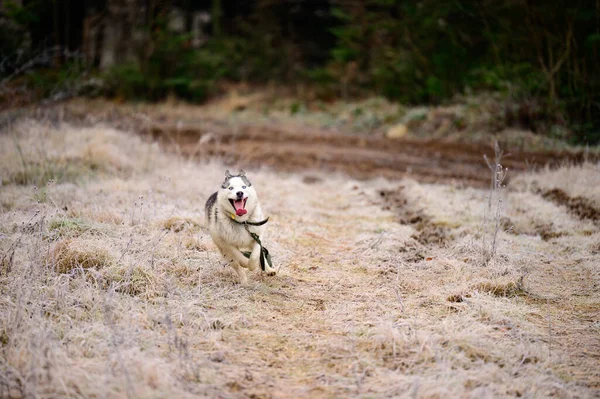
x,y
426,232
581,207
546,231
360,157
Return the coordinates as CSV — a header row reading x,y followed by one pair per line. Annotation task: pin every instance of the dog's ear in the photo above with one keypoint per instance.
x,y
227,174
242,173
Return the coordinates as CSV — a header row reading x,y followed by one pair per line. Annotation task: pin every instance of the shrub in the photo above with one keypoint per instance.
x,y
173,68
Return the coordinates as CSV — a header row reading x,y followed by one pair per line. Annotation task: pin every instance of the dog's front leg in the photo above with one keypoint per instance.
x,y
229,253
240,272
237,255
254,260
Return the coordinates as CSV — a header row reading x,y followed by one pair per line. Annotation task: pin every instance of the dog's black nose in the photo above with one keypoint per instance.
x,y
240,194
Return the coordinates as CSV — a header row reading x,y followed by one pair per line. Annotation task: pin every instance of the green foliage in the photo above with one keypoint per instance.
x,y
16,24
516,80
173,68
65,227
176,68
428,51
127,81
55,82
403,51
23,15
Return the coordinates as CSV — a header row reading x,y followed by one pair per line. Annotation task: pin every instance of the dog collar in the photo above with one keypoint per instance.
x,y
249,223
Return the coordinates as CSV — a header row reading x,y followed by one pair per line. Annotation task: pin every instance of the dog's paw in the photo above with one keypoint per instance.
x,y
270,272
253,264
242,278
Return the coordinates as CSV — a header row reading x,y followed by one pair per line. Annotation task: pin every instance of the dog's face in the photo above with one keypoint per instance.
x,y
237,196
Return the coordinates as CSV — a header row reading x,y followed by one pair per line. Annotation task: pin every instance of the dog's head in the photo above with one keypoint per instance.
x,y
237,196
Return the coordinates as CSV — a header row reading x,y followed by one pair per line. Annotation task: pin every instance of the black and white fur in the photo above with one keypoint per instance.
x,y
232,238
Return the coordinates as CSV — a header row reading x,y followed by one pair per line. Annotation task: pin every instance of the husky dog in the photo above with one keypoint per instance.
x,y
235,221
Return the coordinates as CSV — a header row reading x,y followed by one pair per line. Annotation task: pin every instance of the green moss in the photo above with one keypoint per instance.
x,y
67,227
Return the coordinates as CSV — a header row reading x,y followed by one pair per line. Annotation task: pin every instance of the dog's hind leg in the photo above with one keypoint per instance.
x,y
268,269
254,260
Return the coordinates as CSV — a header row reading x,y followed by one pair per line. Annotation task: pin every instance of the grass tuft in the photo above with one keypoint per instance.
x,y
70,254
134,280
177,224
499,289
40,173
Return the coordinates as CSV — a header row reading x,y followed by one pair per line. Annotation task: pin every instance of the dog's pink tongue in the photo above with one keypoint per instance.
x,y
239,207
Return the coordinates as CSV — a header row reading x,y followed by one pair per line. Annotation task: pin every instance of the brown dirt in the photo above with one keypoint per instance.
x,y
578,206
426,232
360,157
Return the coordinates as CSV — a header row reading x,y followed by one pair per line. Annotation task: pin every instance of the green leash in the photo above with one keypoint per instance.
x,y
264,252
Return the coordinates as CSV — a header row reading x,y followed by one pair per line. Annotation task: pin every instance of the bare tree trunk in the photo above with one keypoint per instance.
x,y
67,14
57,60
216,12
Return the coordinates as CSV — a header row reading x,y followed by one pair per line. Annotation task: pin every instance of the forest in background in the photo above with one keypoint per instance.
x,y
541,58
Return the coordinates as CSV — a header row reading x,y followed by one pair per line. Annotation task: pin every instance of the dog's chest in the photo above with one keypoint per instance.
x,y
233,234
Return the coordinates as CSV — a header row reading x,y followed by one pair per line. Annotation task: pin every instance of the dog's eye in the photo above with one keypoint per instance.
x,y
243,186
231,188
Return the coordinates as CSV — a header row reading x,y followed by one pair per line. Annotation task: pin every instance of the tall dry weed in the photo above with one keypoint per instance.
x,y
493,208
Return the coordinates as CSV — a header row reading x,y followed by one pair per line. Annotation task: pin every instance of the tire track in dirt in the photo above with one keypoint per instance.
x,y
426,232
580,207
558,294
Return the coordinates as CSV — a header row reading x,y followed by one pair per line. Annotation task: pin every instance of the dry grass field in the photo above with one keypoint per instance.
x,y
112,288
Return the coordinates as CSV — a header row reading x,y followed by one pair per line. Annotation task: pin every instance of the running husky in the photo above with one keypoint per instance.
x,y
235,222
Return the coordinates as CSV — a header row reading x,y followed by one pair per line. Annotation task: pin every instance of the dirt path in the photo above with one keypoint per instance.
x,y
308,336
360,157
365,308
